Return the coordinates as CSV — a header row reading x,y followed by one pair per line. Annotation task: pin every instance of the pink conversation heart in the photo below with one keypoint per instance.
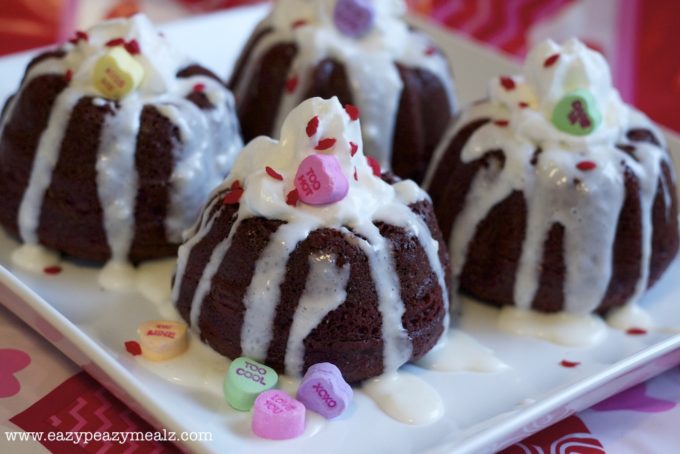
x,y
354,18
319,180
277,416
11,362
635,399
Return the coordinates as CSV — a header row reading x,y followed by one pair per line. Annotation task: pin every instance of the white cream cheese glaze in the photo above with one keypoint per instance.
x,y
562,328
324,292
370,61
586,203
209,138
368,200
406,398
458,352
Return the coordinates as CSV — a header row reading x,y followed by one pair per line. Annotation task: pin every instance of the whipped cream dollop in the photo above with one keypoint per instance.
x,y
551,72
159,59
388,33
208,140
263,183
267,196
574,179
370,60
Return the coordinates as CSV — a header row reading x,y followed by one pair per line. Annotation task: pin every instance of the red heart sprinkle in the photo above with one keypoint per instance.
x,y
52,270
199,88
507,83
233,197
353,148
312,126
69,75
375,165
325,144
570,364
636,331
133,348
236,185
292,198
273,173
115,42
523,105
79,35
291,84
356,176
431,50
586,165
352,111
501,123
298,23
132,47
551,60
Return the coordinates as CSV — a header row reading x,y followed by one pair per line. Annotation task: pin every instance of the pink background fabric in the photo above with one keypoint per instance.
x,y
638,37
42,390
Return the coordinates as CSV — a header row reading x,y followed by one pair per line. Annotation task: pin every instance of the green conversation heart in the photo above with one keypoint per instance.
x,y
245,380
577,114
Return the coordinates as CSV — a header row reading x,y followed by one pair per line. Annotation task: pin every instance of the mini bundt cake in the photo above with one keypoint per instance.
x,y
553,193
364,53
111,145
306,255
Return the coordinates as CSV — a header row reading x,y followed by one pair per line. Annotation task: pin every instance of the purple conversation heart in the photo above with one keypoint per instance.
x,y
635,399
324,391
354,18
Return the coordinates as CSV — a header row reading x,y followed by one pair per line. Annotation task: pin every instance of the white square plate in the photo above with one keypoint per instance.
x,y
484,412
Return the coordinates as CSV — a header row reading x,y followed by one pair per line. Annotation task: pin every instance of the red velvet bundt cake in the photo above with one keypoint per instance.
x,y
306,255
99,173
553,193
364,53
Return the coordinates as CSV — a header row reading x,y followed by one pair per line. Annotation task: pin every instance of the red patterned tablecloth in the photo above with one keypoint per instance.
x,y
42,391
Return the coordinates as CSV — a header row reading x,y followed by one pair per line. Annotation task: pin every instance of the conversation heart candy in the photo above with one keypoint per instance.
x,y
277,416
577,113
245,380
354,18
117,73
319,180
324,391
162,340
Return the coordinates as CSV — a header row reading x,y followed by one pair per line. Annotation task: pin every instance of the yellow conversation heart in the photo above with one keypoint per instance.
x,y
117,73
162,340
